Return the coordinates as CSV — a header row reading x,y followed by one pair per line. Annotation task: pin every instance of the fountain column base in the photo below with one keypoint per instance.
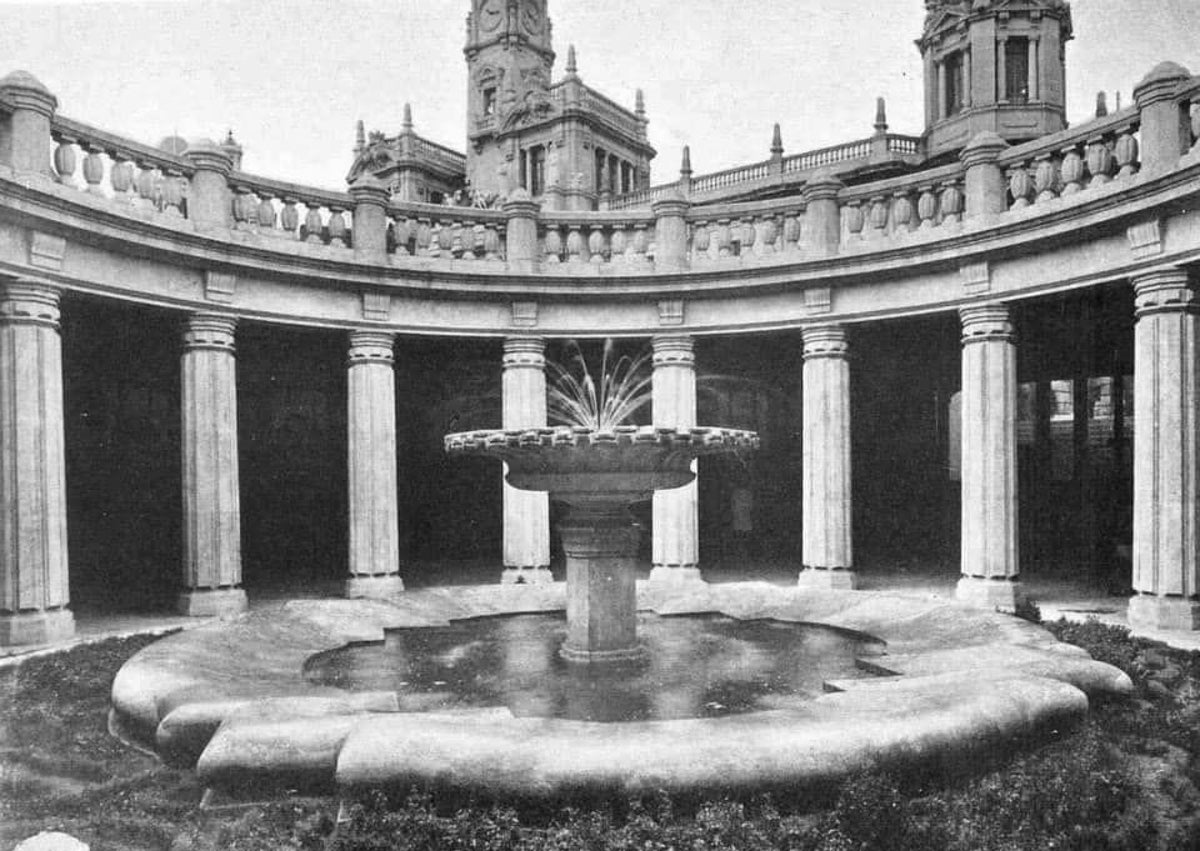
x,y
601,548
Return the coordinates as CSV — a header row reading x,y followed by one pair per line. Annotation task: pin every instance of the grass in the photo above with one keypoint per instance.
x,y
1126,780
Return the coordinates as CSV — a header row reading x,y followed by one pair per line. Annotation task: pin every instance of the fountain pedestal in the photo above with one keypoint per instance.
x,y
601,548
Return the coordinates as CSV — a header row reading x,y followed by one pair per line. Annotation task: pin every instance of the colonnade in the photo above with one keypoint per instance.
x,y
33,541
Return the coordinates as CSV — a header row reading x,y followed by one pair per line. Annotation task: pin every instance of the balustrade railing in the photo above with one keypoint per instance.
x,y
276,208
458,233
597,239
897,207
747,231
1086,156
137,176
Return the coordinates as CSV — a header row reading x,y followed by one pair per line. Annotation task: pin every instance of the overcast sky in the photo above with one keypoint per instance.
x,y
290,77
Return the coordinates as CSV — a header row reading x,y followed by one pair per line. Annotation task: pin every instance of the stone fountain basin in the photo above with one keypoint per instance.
x,y
230,698
578,465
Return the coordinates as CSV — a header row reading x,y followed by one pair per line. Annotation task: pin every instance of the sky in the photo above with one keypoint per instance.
x,y
291,77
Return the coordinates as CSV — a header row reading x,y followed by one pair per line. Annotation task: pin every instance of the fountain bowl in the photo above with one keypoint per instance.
x,y
581,465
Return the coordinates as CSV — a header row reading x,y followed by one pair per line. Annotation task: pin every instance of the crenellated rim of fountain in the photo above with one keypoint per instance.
x,y
578,464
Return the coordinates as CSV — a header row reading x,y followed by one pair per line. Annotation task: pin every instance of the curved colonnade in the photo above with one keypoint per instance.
x,y
1113,201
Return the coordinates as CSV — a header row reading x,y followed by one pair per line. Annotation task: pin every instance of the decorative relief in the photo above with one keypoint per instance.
x,y
1145,239
976,277
219,286
525,314
46,251
670,312
818,299
377,306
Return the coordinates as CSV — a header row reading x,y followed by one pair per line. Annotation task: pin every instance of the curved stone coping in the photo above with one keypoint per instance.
x,y
231,697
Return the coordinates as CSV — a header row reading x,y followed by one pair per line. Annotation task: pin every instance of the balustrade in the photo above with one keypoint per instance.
x,y
135,177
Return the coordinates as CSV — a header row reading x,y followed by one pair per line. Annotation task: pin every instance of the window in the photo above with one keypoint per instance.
x,y
952,66
489,101
1016,70
537,170
599,176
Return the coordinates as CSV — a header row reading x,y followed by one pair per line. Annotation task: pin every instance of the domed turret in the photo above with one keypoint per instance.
x,y
993,65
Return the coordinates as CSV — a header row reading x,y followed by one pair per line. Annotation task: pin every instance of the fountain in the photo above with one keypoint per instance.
x,y
598,467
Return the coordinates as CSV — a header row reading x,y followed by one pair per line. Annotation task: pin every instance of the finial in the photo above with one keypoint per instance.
x,y
639,104
360,136
572,68
776,141
685,166
1101,104
881,124
1118,100
408,122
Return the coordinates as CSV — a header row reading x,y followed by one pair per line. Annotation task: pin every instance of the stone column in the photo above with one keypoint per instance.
x,y
212,533
990,564
371,467
1166,571
34,589
827,550
526,513
676,544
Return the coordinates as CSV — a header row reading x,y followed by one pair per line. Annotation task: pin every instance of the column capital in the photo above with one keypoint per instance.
x,y
673,350
209,331
524,352
371,347
29,302
825,341
983,322
1163,291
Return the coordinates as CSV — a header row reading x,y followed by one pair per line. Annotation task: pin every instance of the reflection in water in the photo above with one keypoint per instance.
x,y
698,667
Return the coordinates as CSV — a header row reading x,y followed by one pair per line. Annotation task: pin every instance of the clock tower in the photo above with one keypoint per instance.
x,y
509,66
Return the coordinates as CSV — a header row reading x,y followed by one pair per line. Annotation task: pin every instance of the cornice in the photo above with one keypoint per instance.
x,y
45,207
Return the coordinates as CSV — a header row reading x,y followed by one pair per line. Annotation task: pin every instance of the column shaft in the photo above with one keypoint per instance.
x,y
990,562
212,558
827,549
371,467
526,513
675,523
34,590
1166,571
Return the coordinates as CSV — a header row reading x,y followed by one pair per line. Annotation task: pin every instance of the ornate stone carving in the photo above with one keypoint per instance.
x,y
818,299
376,306
525,314
670,312
219,286
46,251
976,277
1145,239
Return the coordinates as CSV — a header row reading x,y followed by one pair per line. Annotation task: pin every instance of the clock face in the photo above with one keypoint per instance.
x,y
531,16
491,13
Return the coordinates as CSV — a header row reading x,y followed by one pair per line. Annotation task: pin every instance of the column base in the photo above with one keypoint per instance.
x,y
526,576
1000,594
626,655
1147,611
212,602
26,628
662,574
373,587
829,578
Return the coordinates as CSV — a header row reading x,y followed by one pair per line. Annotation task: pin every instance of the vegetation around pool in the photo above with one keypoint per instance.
x,y
1126,780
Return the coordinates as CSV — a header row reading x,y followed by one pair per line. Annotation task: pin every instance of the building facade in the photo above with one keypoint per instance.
x,y
973,347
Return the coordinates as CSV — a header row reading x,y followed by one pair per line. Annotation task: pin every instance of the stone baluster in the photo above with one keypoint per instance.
x,y
553,245
289,217
371,463
526,513
1099,162
212,538
985,195
24,146
122,178
952,202
1166,472
93,170
1071,170
1045,178
65,161
902,212
1126,152
209,203
596,243
675,524
172,194
822,216
927,207
990,561
576,245
265,214
1166,133
34,587
856,219
827,542
370,219
671,233
641,243
791,232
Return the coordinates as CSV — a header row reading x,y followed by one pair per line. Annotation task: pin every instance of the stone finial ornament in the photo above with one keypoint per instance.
x,y
407,124
881,122
685,164
776,141
360,137
572,66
